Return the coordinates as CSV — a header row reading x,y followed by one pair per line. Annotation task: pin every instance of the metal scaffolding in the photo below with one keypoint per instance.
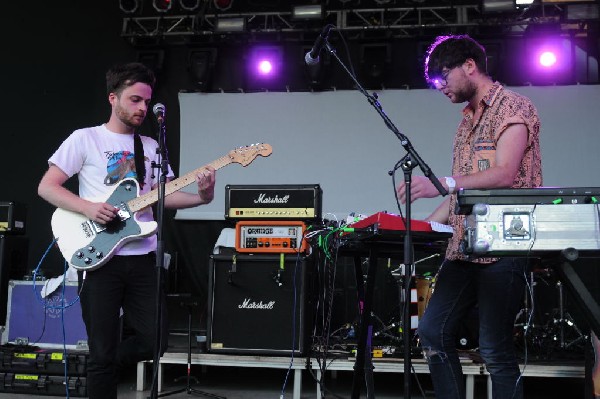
x,y
357,23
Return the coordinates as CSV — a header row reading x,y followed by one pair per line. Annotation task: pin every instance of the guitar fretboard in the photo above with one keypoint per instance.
x,y
151,197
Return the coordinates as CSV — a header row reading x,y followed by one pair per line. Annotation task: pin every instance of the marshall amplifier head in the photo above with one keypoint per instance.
x,y
12,217
273,202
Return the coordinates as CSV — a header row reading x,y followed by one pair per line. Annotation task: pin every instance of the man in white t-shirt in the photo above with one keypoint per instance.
x,y
102,156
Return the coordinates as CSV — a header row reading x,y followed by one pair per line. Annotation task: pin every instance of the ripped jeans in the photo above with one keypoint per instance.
x,y
498,290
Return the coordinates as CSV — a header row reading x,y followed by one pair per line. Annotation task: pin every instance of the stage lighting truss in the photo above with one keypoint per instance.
x,y
361,22
401,21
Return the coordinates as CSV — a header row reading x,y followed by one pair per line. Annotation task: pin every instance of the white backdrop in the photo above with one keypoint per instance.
x,y
336,139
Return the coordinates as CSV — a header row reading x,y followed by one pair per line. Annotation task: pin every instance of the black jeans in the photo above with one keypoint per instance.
x,y
128,283
498,289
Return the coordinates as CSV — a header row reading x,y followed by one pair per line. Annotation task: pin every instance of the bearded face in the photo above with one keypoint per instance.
x,y
131,105
129,117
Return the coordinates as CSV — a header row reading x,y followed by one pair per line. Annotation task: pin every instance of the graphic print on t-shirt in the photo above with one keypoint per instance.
x,y
119,166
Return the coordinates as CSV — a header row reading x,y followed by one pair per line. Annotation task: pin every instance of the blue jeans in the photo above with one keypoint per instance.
x,y
128,283
498,290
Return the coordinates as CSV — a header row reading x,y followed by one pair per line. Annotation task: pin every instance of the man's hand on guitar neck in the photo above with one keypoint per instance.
x,y
205,179
206,184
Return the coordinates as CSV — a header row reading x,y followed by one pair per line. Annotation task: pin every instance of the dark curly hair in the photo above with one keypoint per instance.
x,y
122,76
451,51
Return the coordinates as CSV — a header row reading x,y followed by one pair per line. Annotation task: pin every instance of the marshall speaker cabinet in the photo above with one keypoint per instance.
x,y
257,304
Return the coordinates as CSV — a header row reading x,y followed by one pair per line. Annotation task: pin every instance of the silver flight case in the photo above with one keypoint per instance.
x,y
528,230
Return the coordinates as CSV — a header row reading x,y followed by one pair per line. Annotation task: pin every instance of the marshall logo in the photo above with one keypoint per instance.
x,y
256,305
263,199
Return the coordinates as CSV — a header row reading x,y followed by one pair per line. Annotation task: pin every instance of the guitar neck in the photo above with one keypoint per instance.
x,y
150,198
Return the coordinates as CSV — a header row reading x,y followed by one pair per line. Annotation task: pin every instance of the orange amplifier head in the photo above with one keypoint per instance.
x,y
272,236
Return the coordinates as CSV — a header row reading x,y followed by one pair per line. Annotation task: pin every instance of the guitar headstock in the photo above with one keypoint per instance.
x,y
245,155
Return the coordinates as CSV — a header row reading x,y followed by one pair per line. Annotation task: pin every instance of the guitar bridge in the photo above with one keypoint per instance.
x,y
123,212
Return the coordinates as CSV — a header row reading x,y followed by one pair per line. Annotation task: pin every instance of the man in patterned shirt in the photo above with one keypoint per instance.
x,y
496,146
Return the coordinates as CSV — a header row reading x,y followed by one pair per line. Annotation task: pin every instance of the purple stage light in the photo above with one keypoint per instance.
x,y
550,53
265,62
265,67
547,59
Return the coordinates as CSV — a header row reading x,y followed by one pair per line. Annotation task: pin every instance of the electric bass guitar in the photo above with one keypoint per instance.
x,y
88,245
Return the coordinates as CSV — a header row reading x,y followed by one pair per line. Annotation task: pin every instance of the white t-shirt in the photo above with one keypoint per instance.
x,y
101,159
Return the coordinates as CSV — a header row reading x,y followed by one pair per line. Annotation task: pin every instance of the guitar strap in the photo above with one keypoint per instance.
x,y
140,168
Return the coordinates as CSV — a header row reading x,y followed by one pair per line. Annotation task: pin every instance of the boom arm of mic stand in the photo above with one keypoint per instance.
x,y
372,98
407,167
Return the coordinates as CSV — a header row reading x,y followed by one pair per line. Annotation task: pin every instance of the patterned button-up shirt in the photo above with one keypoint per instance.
x,y
475,149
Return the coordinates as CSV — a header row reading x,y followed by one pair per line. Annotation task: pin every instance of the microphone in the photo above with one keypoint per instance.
x,y
312,57
159,111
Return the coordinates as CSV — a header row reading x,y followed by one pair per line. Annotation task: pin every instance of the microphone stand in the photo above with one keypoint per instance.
x,y
407,163
160,258
160,250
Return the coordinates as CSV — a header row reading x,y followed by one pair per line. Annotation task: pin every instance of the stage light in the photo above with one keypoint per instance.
x,y
492,6
552,54
265,64
230,25
153,59
375,62
547,59
161,5
189,5
265,67
129,6
523,3
223,5
201,63
307,12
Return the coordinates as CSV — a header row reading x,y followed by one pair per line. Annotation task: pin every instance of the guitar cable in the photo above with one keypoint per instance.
x,y
38,294
62,306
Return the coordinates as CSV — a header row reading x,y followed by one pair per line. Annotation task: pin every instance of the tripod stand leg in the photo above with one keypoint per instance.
x,y
188,387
